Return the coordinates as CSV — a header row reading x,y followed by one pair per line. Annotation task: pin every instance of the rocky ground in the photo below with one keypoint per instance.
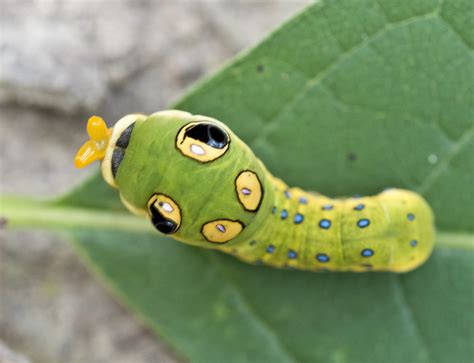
x,y
60,61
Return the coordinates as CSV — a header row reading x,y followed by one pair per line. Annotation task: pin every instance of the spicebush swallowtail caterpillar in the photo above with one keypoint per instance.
x,y
197,182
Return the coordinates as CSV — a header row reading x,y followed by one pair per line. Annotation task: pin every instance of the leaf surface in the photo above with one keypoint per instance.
x,y
348,97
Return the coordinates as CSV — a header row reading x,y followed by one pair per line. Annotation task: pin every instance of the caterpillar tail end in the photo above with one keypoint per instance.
x,y
93,149
417,238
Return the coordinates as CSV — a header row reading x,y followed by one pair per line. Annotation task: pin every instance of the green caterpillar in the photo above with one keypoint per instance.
x,y
199,183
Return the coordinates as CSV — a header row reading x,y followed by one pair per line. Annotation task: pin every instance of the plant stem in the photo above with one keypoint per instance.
x,y
30,213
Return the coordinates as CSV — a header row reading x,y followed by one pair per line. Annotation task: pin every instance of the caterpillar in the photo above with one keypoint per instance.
x,y
197,182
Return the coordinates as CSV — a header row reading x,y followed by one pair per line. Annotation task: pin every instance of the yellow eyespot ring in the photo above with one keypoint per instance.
x,y
165,213
249,190
221,230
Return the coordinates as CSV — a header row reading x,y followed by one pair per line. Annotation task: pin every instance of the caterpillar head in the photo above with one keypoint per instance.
x,y
189,175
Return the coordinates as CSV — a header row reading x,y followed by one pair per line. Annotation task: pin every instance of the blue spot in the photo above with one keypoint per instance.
x,y
284,214
413,243
322,257
270,248
362,223
298,218
292,254
303,200
325,223
274,209
410,216
327,207
367,252
287,194
359,206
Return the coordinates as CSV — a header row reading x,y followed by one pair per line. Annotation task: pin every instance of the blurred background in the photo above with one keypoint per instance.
x,y
62,61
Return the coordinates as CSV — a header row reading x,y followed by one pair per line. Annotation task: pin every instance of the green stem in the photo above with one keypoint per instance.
x,y
455,240
30,213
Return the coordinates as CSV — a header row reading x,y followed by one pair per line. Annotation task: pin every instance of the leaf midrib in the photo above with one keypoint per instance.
x,y
23,212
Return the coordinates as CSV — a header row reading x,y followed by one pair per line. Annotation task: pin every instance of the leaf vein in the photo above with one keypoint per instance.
x,y
410,315
456,32
260,323
324,73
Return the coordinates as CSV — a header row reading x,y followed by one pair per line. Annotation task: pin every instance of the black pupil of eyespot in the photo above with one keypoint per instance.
x,y
209,134
162,224
217,135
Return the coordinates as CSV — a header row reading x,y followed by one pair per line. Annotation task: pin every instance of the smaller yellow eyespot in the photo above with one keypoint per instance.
x,y
93,149
249,190
221,230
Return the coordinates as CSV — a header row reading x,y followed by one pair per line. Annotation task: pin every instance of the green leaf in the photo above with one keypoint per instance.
x,y
349,97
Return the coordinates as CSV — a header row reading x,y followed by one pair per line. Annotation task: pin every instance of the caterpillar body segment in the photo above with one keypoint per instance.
x,y
392,231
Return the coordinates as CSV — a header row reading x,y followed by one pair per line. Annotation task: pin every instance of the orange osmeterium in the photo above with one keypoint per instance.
x,y
93,149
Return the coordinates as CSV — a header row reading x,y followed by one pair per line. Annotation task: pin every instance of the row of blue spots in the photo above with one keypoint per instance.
x,y
326,223
301,200
322,257
323,223
330,206
292,254
297,219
